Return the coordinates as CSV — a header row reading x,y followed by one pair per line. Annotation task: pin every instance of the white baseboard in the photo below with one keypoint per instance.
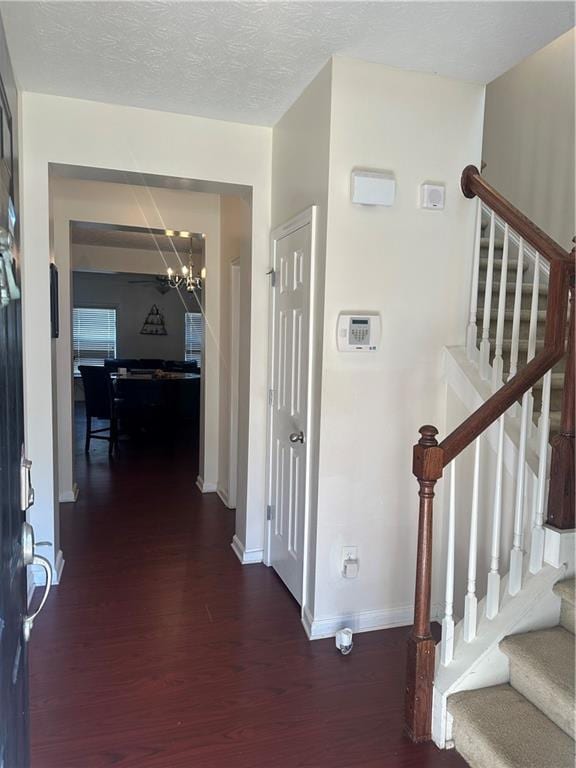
x,y
246,556
204,486
223,496
68,497
363,621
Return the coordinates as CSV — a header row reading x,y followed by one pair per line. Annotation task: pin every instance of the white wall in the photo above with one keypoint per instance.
x,y
124,204
235,237
82,133
132,301
300,177
529,137
413,267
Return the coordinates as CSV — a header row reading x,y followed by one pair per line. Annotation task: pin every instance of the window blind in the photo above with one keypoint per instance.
x,y
193,337
93,335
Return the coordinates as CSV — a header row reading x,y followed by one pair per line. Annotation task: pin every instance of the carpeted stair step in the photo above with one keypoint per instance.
x,y
524,327
556,393
566,591
526,302
485,244
522,356
509,314
522,345
555,417
542,670
498,728
511,269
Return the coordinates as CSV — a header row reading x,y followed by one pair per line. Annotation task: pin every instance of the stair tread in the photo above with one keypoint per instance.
x,y
566,590
485,242
548,653
522,343
498,728
542,288
525,314
542,669
556,382
512,263
510,289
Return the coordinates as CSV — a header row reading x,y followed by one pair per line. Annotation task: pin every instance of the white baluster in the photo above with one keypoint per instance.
x,y
447,653
533,332
470,601
516,555
485,343
472,331
498,362
493,586
537,544
516,319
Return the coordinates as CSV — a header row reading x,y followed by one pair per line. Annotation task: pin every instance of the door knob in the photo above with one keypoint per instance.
x,y
29,558
297,437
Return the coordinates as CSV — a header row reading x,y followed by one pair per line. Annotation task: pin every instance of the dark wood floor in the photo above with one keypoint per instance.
x,y
159,650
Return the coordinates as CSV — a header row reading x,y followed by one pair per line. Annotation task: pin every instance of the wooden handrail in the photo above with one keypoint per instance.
x,y
430,458
473,185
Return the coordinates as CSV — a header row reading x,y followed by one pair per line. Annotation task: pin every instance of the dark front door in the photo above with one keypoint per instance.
x,y
13,603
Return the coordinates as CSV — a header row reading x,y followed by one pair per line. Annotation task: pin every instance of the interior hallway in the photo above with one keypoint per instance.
x,y
159,650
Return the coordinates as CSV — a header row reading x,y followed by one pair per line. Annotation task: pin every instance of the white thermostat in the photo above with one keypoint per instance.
x,y
358,332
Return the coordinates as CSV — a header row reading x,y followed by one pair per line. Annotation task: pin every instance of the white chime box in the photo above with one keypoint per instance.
x,y
432,196
373,187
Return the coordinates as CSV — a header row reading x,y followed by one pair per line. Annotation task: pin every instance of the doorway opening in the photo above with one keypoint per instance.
x,y
126,247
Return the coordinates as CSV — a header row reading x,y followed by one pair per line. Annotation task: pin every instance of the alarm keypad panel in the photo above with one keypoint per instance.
x,y
358,332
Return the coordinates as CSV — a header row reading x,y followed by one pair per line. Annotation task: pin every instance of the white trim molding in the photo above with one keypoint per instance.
x,y
223,496
363,621
69,497
205,487
246,556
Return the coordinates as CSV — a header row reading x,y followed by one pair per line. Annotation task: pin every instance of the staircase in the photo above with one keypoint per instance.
x,y
531,721
500,685
515,292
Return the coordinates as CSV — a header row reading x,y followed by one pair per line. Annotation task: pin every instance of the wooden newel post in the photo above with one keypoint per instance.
x,y
428,463
562,488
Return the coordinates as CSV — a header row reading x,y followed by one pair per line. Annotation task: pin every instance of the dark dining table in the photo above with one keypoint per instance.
x,y
145,396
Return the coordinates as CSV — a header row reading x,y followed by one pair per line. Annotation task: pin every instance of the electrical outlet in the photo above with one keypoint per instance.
x,y
349,553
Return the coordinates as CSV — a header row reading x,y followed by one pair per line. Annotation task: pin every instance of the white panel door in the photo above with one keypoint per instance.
x,y
289,404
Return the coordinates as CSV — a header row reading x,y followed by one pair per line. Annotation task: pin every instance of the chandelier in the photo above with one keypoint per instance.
x,y
186,278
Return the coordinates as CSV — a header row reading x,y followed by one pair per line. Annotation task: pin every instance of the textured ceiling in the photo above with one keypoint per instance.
x,y
248,61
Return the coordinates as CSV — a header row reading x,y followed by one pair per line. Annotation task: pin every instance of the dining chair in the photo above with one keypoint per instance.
x,y
100,403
